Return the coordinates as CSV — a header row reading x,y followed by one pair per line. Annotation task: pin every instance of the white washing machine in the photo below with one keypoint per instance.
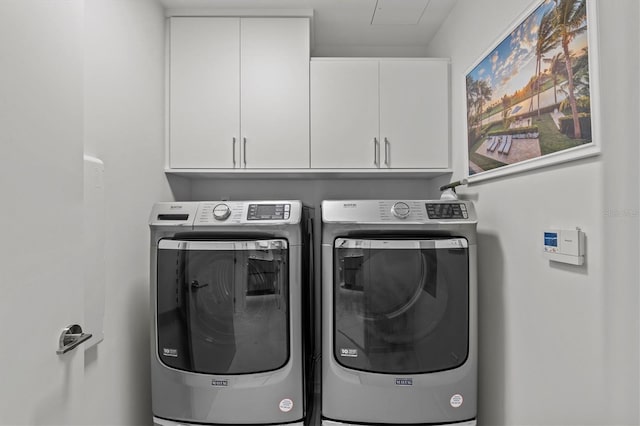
x,y
399,321
231,312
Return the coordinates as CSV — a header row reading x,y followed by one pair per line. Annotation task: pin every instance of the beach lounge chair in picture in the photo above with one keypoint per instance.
x,y
507,146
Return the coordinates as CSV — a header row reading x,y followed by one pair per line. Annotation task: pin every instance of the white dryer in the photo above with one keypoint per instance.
x,y
231,312
399,321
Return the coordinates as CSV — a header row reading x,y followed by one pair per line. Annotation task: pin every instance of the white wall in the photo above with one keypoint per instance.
x,y
311,191
558,344
124,126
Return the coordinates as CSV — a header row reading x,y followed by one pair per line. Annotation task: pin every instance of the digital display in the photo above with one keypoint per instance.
x,y
551,239
269,211
266,210
446,211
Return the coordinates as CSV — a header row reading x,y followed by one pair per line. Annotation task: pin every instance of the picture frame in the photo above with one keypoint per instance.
x,y
526,107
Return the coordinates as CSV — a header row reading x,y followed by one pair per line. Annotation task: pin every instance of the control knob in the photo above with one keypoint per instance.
x,y
400,210
221,212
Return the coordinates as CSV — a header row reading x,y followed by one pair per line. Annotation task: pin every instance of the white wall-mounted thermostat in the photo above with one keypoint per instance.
x,y
564,245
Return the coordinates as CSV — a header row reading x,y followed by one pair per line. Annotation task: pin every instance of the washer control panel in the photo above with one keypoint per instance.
x,y
229,213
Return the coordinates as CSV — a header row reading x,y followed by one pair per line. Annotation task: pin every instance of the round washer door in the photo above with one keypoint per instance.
x,y
223,306
401,306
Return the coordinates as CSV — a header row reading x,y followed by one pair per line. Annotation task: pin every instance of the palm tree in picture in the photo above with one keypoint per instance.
x,y
506,109
570,19
557,69
478,92
581,74
581,84
472,100
544,43
484,93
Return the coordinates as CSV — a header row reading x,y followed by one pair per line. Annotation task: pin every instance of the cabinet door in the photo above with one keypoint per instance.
x,y
275,92
414,114
204,98
344,114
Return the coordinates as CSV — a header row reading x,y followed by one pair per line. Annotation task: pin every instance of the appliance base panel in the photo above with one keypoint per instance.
x,y
163,422
334,423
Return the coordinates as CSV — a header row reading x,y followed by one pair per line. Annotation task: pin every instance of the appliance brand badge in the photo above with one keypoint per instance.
x,y
175,207
350,353
349,205
456,400
219,383
170,352
286,405
404,381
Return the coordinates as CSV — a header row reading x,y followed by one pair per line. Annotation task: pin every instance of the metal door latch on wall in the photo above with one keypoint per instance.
x,y
71,337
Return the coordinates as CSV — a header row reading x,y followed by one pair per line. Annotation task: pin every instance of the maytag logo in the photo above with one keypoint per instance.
x,y
219,383
349,205
404,382
175,207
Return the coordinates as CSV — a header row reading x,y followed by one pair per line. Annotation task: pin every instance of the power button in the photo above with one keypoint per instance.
x,y
400,210
221,212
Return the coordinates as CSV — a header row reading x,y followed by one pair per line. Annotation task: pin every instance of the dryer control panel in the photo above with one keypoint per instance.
x,y
226,213
447,211
397,211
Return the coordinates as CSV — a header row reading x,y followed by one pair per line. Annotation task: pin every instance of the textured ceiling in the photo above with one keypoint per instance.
x,y
399,27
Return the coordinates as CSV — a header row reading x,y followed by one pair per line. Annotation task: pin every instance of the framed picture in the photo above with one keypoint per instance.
x,y
531,99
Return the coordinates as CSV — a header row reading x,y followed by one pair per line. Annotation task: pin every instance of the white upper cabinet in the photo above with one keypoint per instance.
x,y
275,92
239,93
380,114
414,114
344,114
204,87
